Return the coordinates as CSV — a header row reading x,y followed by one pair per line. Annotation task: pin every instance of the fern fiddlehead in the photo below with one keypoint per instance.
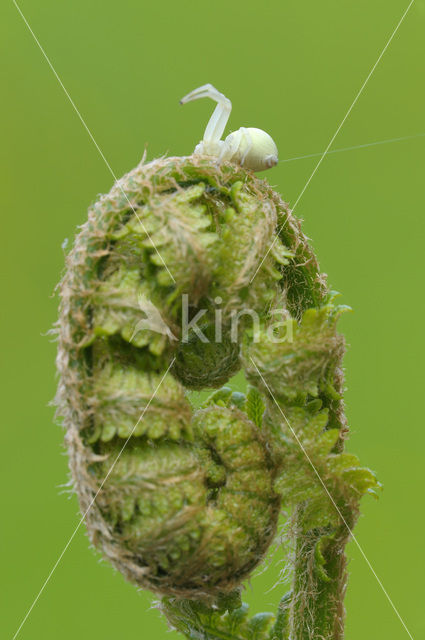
x,y
185,503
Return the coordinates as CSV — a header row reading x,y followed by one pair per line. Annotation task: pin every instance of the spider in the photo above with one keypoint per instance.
x,y
250,147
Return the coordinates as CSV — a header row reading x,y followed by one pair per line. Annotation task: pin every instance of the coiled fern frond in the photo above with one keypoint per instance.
x,y
171,286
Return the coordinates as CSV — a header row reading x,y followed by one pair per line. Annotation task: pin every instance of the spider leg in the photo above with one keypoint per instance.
x,y
221,113
247,138
200,92
226,150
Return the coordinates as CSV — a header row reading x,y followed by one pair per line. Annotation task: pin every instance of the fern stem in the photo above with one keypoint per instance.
x,y
318,609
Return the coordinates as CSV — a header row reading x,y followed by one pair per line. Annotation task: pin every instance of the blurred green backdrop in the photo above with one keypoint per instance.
x,y
292,67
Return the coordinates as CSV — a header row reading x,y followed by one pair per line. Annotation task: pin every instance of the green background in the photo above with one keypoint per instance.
x,y
292,67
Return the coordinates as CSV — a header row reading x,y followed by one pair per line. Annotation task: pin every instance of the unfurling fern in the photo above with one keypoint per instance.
x,y
183,502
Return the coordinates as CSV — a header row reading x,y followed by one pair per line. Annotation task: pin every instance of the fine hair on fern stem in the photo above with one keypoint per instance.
x,y
192,501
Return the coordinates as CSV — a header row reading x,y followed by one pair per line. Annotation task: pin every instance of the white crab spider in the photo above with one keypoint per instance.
x,y
250,147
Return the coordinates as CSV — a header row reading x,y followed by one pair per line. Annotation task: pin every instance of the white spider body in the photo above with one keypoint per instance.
x,y
250,147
